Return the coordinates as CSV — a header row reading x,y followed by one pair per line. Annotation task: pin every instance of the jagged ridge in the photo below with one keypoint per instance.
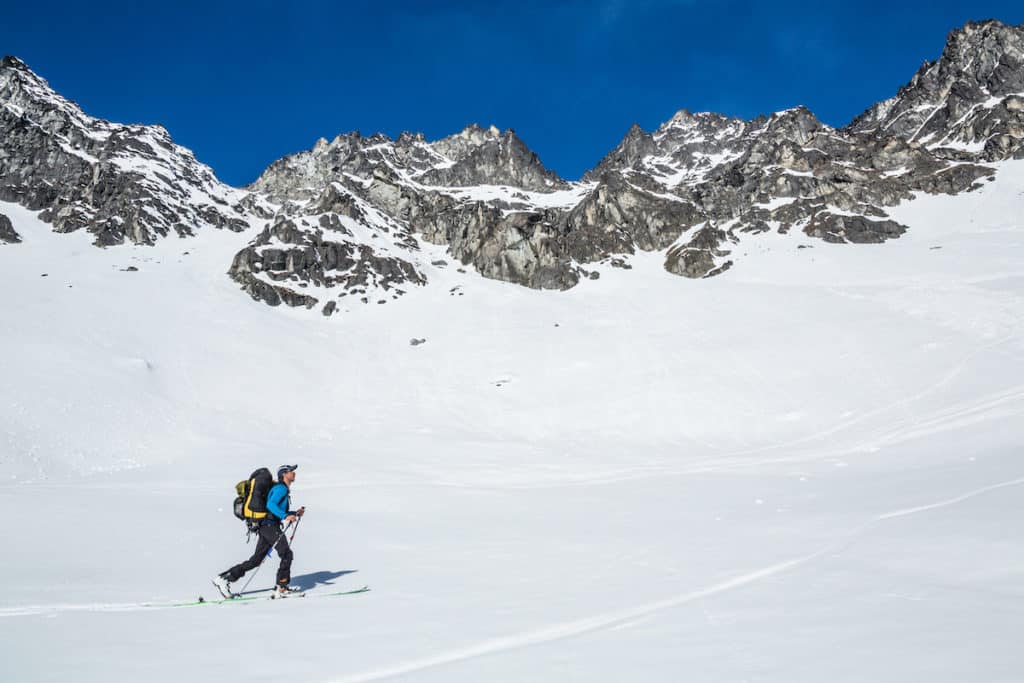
x,y
346,217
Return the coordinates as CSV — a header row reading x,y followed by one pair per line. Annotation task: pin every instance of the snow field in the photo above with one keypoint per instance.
x,y
806,469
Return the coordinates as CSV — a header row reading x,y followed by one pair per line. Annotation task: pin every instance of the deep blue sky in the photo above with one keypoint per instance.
x,y
243,84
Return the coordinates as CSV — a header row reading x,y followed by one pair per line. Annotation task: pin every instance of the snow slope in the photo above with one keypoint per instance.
x,y
807,470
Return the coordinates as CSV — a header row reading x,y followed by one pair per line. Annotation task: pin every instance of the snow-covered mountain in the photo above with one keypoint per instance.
x,y
967,105
348,217
118,182
806,469
355,206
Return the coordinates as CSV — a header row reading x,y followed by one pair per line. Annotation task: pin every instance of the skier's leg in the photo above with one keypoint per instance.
x,y
284,571
268,532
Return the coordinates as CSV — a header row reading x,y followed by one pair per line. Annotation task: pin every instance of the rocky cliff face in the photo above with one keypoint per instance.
x,y
967,105
348,217
334,243
480,192
118,182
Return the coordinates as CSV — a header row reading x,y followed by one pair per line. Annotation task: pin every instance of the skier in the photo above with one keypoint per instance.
x,y
271,535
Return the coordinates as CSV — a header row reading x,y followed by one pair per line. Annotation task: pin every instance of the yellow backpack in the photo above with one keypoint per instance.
x,y
250,504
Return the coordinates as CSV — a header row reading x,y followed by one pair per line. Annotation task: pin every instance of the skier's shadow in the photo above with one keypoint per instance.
x,y
309,581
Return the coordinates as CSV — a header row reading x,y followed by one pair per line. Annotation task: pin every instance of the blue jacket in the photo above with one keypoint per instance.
x,y
278,502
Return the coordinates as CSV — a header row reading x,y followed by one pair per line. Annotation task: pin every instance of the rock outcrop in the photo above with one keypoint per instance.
x,y
7,232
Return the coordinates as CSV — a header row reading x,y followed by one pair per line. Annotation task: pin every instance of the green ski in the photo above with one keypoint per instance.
x,y
249,598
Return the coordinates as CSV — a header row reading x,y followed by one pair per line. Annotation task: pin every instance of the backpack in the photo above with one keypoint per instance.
x,y
251,502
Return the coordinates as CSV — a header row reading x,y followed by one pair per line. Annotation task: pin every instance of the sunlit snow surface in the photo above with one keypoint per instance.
x,y
806,469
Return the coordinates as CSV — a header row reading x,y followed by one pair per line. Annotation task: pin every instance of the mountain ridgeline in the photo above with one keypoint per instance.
x,y
348,218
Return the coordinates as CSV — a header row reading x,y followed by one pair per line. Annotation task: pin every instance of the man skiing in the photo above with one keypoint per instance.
x,y
271,535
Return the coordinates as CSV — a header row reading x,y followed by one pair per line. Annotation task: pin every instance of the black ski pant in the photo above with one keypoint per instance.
x,y
271,536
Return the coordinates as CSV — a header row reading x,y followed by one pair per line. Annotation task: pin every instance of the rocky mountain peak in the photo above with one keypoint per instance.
x,y
679,148
407,138
474,156
119,182
478,134
989,36
463,143
636,136
688,125
636,145
21,88
971,100
798,125
988,55
12,62
488,156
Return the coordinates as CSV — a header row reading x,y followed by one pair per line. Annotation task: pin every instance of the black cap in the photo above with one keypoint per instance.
x,y
285,469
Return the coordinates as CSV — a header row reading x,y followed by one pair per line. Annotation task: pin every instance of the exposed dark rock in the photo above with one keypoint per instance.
x,y
7,233
699,257
285,252
857,229
636,146
492,158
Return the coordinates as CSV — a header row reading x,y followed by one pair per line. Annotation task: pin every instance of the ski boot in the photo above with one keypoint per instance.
x,y
224,586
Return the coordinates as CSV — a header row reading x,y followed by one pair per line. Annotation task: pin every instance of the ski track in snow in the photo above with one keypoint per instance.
x,y
991,406
901,403
978,410
622,618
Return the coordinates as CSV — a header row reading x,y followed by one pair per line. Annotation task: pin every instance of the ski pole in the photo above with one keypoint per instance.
x,y
283,532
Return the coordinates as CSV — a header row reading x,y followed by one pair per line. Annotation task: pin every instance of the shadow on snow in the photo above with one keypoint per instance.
x,y
310,581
